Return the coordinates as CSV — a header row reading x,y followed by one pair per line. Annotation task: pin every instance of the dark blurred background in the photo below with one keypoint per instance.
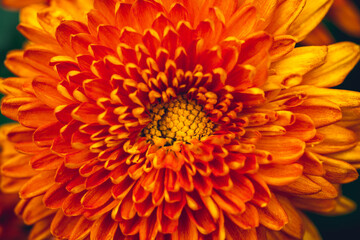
x,y
331,228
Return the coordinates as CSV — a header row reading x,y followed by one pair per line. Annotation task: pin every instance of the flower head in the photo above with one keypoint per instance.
x,y
178,119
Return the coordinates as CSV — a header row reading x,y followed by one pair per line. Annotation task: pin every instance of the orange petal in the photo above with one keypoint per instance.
x,y
300,60
203,220
103,228
35,211
342,98
302,185
242,22
149,227
62,226
173,210
246,220
106,8
131,226
17,167
262,192
311,163
321,111
45,90
203,184
35,114
344,206
284,150
284,15
351,156
41,229
39,58
93,214
260,43
167,225
72,204
105,32
311,233
87,112
227,204
125,210
144,13
37,35
265,9
81,229
97,178
282,45
12,185
340,60
145,208
309,18
38,184
328,190
27,148
186,230
77,159
16,64
336,139
55,196
19,134
120,190
338,171
97,196
233,232
64,32
14,86
303,128
351,117
96,88
80,43
44,135
279,174
241,77
227,8
273,215
295,226
10,105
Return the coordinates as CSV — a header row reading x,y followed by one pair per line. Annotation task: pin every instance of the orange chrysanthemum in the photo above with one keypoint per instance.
x,y
178,120
345,15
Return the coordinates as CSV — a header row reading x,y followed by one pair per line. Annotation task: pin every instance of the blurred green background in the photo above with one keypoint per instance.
x,y
331,228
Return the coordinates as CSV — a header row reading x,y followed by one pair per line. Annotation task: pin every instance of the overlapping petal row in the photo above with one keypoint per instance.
x,y
86,83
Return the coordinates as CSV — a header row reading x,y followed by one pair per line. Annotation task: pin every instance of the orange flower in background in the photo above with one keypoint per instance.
x,y
16,4
179,120
11,227
345,15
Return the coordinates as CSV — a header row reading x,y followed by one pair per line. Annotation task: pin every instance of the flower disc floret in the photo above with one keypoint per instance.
x,y
178,120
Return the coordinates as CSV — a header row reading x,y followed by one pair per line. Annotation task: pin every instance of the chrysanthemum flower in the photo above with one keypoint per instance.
x,y
345,15
178,120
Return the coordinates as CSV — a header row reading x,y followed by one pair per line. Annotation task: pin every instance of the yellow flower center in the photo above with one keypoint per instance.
x,y
178,120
